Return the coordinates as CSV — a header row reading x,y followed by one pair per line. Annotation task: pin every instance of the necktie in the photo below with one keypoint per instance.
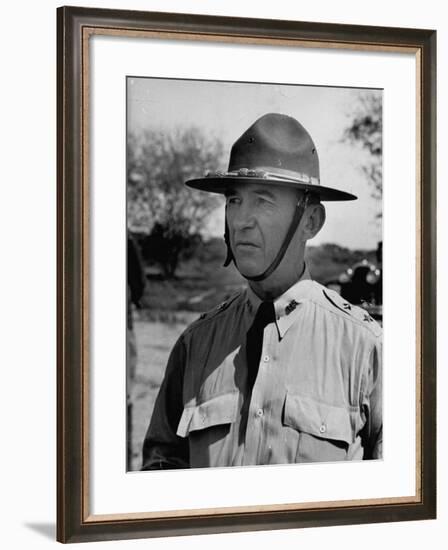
x,y
254,341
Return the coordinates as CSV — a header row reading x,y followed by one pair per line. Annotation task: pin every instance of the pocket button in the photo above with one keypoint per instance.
x,y
322,429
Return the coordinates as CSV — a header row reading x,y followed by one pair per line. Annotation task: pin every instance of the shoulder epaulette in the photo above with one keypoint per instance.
x,y
356,313
218,309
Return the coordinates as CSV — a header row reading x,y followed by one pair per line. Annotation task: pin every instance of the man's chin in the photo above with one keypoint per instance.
x,y
249,269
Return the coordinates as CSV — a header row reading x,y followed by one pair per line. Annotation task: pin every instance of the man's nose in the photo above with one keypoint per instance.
x,y
244,218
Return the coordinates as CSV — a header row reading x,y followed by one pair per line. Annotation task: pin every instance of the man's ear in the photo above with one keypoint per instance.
x,y
314,220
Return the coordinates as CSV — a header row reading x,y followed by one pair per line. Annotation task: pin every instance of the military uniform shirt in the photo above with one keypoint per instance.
x,y
317,396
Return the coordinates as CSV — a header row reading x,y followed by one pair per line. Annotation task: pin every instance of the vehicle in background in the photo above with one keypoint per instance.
x,y
362,284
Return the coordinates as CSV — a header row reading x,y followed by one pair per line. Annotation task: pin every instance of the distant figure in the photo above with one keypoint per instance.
x,y
135,291
285,371
136,274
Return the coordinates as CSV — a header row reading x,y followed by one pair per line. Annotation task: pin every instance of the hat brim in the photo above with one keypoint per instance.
x,y
222,183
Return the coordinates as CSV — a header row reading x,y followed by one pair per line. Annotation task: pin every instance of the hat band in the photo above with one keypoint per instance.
x,y
264,174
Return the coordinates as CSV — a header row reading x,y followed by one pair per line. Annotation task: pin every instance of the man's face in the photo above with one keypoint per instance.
x,y
258,218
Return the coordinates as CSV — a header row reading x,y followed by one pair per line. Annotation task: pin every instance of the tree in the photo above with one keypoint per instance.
x,y
159,203
366,130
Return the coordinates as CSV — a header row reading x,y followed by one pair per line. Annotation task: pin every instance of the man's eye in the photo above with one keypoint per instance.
x,y
233,200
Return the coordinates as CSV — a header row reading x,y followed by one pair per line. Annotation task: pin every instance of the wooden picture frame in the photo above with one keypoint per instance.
x,y
76,26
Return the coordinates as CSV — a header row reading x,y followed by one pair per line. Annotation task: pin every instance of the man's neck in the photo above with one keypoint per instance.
x,y
271,288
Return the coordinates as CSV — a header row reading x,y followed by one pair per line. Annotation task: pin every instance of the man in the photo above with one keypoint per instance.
x,y
285,371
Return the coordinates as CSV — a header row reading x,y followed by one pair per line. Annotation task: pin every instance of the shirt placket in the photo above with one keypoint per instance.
x,y
259,413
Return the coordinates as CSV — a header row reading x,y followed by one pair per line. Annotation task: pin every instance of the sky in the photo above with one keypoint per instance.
x,y
227,109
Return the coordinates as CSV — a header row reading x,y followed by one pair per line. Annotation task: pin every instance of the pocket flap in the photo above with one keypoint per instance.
x,y
218,410
318,419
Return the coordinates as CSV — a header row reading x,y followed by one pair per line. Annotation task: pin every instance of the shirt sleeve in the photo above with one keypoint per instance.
x,y
162,448
372,404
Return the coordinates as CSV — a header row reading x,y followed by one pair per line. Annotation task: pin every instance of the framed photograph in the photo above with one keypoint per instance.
x,y
246,274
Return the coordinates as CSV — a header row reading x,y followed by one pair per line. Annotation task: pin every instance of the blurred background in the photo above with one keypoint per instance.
x,y
179,129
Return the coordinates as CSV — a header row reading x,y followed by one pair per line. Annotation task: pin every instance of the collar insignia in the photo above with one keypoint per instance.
x,y
291,307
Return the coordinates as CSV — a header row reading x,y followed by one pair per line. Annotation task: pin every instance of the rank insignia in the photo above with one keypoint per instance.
x,y
291,307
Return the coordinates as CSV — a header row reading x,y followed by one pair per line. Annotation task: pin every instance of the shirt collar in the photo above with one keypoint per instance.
x,y
286,304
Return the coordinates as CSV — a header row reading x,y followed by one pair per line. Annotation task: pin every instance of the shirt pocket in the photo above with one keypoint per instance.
x,y
208,428
218,410
325,431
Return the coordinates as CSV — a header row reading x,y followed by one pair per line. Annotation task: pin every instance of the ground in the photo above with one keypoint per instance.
x,y
154,342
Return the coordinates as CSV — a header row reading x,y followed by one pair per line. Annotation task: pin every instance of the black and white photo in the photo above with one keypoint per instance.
x,y
254,220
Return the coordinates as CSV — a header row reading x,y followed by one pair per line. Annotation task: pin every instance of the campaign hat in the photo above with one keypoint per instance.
x,y
276,150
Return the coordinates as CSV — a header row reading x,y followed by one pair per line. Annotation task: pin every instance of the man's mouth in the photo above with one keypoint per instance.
x,y
246,244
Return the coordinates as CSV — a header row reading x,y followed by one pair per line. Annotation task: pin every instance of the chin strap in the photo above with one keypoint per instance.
x,y
299,211
229,257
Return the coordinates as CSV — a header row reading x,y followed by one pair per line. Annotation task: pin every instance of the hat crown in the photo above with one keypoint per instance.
x,y
276,143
